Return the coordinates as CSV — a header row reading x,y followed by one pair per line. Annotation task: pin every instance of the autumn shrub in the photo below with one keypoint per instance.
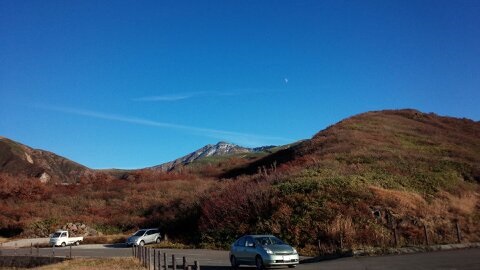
x,y
235,209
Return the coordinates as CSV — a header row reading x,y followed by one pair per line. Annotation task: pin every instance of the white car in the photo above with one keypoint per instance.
x,y
144,236
61,238
262,251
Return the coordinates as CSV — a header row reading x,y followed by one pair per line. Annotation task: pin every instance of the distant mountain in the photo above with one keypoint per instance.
x,y
20,160
210,150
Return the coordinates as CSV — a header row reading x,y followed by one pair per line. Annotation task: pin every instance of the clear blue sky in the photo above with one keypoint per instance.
x,y
129,84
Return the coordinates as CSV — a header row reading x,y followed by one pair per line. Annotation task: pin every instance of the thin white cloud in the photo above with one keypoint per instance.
x,y
164,98
183,96
245,139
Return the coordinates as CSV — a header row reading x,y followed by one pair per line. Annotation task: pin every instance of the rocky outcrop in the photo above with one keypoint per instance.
x,y
80,229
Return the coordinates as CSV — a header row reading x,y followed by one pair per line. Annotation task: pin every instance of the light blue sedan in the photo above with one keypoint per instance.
x,y
262,251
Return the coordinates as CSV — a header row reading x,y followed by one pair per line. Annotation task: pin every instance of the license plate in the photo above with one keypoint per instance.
x,y
287,258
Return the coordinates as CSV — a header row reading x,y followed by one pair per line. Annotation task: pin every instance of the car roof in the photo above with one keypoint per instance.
x,y
260,235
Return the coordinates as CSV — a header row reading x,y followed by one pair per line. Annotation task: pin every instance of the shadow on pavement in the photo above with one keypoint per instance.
x,y
326,258
206,267
117,245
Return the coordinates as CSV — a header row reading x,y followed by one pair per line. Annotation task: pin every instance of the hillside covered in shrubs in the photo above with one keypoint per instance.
x,y
350,185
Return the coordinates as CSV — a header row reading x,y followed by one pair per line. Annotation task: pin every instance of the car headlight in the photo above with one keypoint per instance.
x,y
268,250
294,251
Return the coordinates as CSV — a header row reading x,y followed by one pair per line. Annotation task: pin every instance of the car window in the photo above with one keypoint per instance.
x,y
63,235
264,241
249,242
240,242
268,240
276,241
139,233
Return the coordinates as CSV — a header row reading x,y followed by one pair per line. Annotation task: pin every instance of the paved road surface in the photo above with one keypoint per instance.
x,y
468,259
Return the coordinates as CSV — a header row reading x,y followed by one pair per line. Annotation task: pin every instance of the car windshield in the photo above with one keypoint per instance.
x,y
139,233
56,235
269,240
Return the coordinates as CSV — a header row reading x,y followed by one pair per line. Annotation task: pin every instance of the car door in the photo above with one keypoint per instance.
x,y
238,250
150,236
63,238
250,251
155,235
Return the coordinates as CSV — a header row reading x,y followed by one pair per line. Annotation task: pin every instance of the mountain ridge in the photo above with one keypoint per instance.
x,y
210,150
16,158
19,159
369,137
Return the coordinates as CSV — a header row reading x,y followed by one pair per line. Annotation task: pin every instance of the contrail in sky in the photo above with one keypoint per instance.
x,y
189,95
237,137
164,98
184,96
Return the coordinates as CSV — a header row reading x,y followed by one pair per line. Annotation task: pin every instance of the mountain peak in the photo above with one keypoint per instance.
x,y
223,142
222,148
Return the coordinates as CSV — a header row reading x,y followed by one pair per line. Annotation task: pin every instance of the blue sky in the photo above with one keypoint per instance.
x,y
130,84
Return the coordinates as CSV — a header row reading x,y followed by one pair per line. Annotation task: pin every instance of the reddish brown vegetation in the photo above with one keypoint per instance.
x,y
109,204
350,185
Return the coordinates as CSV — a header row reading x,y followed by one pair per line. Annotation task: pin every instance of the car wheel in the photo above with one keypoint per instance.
x,y
233,262
259,263
63,244
142,243
77,243
157,241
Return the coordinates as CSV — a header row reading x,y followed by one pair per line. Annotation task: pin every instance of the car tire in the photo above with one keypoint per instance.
x,y
77,243
259,263
157,241
233,262
63,244
142,243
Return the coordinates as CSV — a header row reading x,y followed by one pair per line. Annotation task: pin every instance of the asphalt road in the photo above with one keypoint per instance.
x,y
218,260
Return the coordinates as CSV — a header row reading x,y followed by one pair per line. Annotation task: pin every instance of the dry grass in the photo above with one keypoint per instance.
x,y
106,239
463,205
404,201
96,264
170,244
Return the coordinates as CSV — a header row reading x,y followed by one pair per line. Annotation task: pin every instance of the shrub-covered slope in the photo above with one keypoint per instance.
x,y
359,178
404,148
